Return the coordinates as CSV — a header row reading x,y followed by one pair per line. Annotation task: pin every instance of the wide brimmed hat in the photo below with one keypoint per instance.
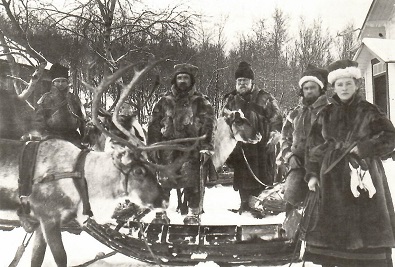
x,y
343,69
314,74
58,71
244,71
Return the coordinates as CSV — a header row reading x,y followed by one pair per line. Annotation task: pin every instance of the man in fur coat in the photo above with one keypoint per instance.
x,y
59,112
181,113
296,129
262,110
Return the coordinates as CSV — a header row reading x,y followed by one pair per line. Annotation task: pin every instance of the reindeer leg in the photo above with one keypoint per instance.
x,y
54,239
39,247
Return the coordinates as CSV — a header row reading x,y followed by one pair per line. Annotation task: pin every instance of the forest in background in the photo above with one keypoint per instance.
x,y
97,37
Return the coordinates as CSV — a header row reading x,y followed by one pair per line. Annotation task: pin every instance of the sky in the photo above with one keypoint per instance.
x,y
241,15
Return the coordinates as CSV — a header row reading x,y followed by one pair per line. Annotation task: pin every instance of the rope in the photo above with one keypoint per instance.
x,y
253,174
97,258
21,250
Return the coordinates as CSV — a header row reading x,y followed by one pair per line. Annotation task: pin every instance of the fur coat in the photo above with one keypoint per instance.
x,y
181,116
262,110
345,221
60,115
294,134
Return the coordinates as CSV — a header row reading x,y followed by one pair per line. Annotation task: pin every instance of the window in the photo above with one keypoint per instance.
x,y
380,85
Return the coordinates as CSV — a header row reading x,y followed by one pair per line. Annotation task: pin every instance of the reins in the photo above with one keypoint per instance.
x,y
253,174
21,250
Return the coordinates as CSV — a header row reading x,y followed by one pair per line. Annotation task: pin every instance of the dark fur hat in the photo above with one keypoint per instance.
x,y
244,71
314,74
58,71
185,68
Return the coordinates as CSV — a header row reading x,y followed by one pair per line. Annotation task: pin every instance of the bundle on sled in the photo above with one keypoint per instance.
x,y
270,201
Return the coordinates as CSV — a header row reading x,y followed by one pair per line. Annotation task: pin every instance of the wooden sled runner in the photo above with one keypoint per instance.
x,y
191,244
183,245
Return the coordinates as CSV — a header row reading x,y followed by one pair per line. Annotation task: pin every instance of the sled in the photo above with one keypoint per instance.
x,y
178,244
174,244
183,245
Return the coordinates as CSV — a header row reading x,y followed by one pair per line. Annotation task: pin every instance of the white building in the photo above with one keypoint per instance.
x,y
376,55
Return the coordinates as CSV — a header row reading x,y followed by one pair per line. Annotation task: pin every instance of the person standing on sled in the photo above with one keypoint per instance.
x,y
181,113
262,110
59,113
355,219
296,128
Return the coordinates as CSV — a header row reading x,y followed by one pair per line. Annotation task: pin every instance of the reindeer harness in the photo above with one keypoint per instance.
x,y
27,163
121,167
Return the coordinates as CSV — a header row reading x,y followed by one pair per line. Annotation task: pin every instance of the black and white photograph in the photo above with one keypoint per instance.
x,y
137,133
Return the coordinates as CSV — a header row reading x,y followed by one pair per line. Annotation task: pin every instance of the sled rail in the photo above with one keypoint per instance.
x,y
191,244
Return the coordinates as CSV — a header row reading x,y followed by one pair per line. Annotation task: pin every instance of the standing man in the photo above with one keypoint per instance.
x,y
181,113
253,164
59,112
296,129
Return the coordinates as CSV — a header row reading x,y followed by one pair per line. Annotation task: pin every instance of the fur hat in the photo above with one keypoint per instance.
x,y
185,68
314,74
244,71
343,69
58,71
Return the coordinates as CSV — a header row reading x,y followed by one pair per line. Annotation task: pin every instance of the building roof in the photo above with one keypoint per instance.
x,y
379,13
382,49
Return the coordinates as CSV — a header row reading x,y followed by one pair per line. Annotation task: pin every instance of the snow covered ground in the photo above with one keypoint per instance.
x,y
81,248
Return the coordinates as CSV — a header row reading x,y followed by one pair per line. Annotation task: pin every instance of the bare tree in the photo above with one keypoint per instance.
x,y
346,41
312,45
96,37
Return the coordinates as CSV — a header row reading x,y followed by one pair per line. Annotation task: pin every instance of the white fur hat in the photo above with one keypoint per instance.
x,y
343,69
314,74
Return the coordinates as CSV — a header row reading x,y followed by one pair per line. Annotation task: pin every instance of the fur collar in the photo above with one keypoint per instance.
x,y
356,98
175,93
322,100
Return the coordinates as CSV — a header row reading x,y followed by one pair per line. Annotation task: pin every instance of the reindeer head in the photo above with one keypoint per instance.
x,y
91,134
242,129
138,181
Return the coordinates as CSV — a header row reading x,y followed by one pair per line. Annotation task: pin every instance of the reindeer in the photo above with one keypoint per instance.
x,y
231,128
55,199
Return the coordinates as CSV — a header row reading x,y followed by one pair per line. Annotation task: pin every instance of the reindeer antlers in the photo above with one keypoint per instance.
x,y
133,142
125,93
33,81
97,95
